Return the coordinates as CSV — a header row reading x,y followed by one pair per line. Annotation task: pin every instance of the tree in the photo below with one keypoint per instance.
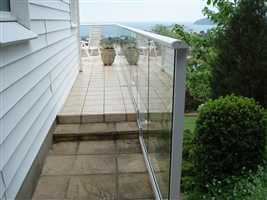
x,y
198,72
240,64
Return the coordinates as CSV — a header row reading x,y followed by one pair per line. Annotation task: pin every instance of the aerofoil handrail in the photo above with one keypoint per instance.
x,y
167,41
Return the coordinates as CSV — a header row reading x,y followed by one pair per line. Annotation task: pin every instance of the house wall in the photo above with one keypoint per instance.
x,y
35,78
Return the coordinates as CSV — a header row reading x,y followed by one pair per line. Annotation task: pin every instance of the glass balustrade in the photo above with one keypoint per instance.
x,y
149,65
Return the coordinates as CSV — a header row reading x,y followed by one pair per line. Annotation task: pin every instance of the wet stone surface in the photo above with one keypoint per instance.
x,y
97,170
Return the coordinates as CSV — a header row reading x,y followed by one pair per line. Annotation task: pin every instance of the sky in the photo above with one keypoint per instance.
x,y
141,10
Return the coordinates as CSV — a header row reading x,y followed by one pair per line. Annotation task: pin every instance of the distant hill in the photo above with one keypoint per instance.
x,y
204,21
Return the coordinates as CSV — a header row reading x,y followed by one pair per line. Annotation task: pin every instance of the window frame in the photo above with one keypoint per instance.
x,y
17,19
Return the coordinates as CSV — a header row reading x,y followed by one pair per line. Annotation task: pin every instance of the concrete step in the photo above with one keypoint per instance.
x,y
67,118
96,131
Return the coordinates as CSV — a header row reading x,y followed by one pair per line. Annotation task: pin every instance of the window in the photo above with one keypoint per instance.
x,y
5,5
14,22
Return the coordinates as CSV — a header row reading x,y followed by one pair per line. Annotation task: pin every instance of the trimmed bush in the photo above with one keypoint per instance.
x,y
229,136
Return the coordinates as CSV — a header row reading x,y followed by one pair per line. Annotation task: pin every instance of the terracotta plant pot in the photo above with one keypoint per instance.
x,y
132,55
108,56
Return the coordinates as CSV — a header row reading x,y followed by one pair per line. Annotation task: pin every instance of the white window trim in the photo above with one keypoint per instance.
x,y
7,17
15,25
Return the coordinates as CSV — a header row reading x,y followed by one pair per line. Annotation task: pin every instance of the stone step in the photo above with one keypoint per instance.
x,y
96,131
68,118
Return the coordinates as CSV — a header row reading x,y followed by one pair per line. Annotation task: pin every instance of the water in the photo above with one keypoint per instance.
x,y
113,31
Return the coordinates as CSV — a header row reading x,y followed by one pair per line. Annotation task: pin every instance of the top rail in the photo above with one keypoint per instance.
x,y
167,41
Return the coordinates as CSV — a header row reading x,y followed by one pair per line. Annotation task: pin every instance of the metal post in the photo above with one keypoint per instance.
x,y
178,123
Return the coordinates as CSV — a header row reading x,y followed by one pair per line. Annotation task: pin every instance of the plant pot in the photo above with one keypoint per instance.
x,y
108,56
132,55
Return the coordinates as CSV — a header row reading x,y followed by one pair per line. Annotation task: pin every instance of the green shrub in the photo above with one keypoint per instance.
x,y
229,135
187,165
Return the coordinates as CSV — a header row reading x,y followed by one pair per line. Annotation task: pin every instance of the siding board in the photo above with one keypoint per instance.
x,y
44,13
58,35
12,118
18,135
57,70
14,52
14,71
55,4
53,106
38,27
35,79
57,25
2,186
23,86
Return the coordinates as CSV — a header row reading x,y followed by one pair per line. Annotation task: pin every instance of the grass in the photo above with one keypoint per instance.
x,y
190,123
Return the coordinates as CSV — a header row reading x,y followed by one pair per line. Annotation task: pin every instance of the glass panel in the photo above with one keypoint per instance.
x,y
143,69
143,73
158,138
5,5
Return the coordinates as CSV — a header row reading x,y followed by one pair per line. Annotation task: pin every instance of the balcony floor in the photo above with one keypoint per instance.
x,y
99,94
110,170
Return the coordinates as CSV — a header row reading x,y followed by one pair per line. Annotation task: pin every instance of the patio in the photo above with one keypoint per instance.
x,y
99,94
110,169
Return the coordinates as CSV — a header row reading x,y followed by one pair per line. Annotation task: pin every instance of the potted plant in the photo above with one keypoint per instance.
x,y
108,52
130,50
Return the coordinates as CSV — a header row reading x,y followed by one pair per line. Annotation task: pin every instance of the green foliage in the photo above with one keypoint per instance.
x,y
198,70
128,42
240,64
164,30
229,135
225,9
188,171
107,43
248,186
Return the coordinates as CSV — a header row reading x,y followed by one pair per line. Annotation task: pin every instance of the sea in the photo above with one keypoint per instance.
x,y
112,31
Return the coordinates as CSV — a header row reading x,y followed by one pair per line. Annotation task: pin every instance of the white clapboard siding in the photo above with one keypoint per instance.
x,y
58,35
38,27
15,137
56,83
57,25
2,186
21,87
14,52
14,162
59,68
14,71
66,1
35,79
44,13
51,109
15,115
54,4
20,136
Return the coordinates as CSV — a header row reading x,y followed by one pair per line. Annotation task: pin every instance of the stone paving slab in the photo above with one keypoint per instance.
x,y
128,163
100,147
51,187
128,146
92,187
99,94
94,170
134,186
72,132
